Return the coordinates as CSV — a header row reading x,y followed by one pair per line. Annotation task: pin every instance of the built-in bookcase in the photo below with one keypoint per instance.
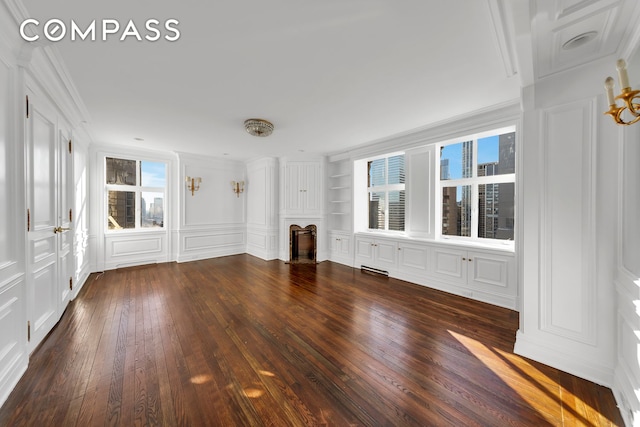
x,y
340,194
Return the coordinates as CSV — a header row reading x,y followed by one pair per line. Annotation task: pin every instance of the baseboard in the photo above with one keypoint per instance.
x,y
556,357
10,378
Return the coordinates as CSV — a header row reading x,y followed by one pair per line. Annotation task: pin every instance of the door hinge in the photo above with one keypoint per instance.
x,y
28,220
28,330
27,106
69,146
71,283
71,215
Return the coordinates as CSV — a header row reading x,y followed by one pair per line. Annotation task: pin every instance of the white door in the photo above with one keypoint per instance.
x,y
49,254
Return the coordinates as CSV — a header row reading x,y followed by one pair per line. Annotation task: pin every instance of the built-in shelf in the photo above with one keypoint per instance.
x,y
340,177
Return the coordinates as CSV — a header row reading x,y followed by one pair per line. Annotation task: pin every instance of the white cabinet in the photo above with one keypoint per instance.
x,y
303,187
413,258
341,248
487,275
450,264
377,253
477,271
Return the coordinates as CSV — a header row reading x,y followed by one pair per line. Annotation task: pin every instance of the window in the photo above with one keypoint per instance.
x,y
135,193
385,191
477,186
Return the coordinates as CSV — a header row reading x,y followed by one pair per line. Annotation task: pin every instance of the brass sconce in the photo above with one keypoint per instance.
x,y
626,95
193,184
237,187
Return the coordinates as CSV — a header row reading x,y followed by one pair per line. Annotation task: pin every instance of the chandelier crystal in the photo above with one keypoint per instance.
x,y
258,127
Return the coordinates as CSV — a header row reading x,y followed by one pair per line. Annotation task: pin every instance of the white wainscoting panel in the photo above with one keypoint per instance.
x,y
568,227
135,249
13,357
210,243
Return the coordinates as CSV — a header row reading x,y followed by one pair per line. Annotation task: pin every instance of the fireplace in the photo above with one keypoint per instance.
x,y
302,244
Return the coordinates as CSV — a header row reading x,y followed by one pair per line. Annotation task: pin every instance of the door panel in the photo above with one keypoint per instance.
x,y
65,237
43,308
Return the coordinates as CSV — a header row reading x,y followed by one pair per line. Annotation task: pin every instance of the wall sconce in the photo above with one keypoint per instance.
x,y
626,95
193,184
237,187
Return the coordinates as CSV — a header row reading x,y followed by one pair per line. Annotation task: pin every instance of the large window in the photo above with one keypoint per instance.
x,y
477,187
385,191
135,191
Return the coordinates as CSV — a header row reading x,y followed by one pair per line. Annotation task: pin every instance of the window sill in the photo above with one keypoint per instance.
x,y
507,246
130,231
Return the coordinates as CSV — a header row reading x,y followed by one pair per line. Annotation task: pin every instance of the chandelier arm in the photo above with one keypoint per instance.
x,y
616,113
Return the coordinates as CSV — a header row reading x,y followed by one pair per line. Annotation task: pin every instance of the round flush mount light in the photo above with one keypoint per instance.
x,y
258,127
579,40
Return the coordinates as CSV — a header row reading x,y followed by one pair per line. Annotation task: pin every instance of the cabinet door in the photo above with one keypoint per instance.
x,y
386,254
450,264
335,244
491,273
293,188
344,247
413,259
311,188
364,251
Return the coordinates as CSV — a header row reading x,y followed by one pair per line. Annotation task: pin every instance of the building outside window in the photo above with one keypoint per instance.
x,y
477,187
135,191
386,193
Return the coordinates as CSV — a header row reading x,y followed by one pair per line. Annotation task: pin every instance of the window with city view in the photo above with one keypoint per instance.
x,y
135,192
477,187
385,182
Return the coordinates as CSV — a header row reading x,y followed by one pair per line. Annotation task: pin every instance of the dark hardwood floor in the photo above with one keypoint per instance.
x,y
245,342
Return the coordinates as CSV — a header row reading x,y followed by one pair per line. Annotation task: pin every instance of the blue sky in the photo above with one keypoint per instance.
x,y
487,152
154,174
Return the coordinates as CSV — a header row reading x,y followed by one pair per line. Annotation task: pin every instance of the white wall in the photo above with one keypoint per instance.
x,y
13,315
211,222
626,386
569,235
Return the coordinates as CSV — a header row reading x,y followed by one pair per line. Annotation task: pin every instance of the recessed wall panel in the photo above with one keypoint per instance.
x,y
6,197
567,264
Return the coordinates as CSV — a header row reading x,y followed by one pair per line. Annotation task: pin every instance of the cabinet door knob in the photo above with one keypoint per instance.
x,y
469,260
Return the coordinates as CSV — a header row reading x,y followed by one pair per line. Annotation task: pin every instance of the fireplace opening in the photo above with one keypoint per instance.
x,y
302,244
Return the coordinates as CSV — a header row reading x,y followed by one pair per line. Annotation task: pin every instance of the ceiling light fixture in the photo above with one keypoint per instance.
x,y
258,127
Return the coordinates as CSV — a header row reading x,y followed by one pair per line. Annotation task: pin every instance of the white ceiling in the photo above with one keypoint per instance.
x,y
330,74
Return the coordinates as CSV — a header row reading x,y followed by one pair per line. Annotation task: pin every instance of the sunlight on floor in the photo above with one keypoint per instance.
x,y
253,393
534,387
200,379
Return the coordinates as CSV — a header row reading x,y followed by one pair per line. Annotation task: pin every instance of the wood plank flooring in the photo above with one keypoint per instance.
x,y
238,341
